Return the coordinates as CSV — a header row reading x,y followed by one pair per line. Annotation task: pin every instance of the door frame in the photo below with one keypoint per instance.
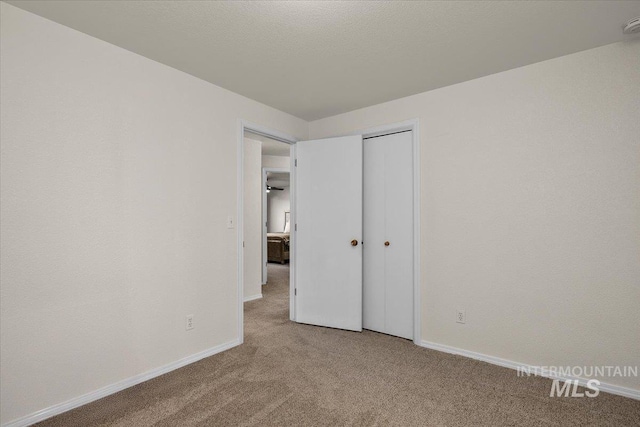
x,y
265,216
279,136
414,126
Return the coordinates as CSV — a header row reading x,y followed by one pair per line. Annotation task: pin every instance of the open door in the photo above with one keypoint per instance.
x,y
329,232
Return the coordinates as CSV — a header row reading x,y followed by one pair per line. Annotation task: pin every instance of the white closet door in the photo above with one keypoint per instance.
x,y
373,249
329,232
388,217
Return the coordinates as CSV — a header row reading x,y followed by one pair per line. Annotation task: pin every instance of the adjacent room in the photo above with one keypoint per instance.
x,y
278,212
316,213
266,209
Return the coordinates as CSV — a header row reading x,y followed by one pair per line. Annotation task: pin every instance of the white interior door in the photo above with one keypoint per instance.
x,y
329,232
388,235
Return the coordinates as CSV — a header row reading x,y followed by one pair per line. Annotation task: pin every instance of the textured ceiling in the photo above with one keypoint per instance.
x,y
317,59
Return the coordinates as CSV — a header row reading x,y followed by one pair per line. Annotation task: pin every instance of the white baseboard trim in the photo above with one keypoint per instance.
x,y
51,411
253,297
609,388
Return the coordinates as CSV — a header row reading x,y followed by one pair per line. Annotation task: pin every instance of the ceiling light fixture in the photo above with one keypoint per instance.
x,y
633,26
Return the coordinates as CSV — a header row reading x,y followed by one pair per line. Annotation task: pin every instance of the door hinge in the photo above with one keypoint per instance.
x,y
296,162
243,244
295,228
295,291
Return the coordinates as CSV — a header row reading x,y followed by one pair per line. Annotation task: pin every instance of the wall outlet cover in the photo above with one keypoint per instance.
x,y
461,316
189,324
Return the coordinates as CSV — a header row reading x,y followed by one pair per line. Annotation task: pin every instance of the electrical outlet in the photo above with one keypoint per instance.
x,y
189,324
461,316
230,222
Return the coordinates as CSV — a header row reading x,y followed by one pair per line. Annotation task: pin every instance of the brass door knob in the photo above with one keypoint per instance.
x,y
387,243
354,242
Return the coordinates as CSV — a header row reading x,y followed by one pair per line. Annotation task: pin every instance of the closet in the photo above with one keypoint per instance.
x,y
353,233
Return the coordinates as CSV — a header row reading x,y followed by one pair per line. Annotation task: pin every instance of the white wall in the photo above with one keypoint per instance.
x,y
530,208
278,202
113,227
252,208
276,162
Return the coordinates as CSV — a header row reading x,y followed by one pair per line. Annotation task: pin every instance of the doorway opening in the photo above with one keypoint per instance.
x,y
264,157
276,217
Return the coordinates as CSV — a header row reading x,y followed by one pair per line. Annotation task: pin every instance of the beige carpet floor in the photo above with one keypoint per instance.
x,y
292,374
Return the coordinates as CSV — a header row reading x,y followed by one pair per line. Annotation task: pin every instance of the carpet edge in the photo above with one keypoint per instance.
x,y
505,363
76,402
